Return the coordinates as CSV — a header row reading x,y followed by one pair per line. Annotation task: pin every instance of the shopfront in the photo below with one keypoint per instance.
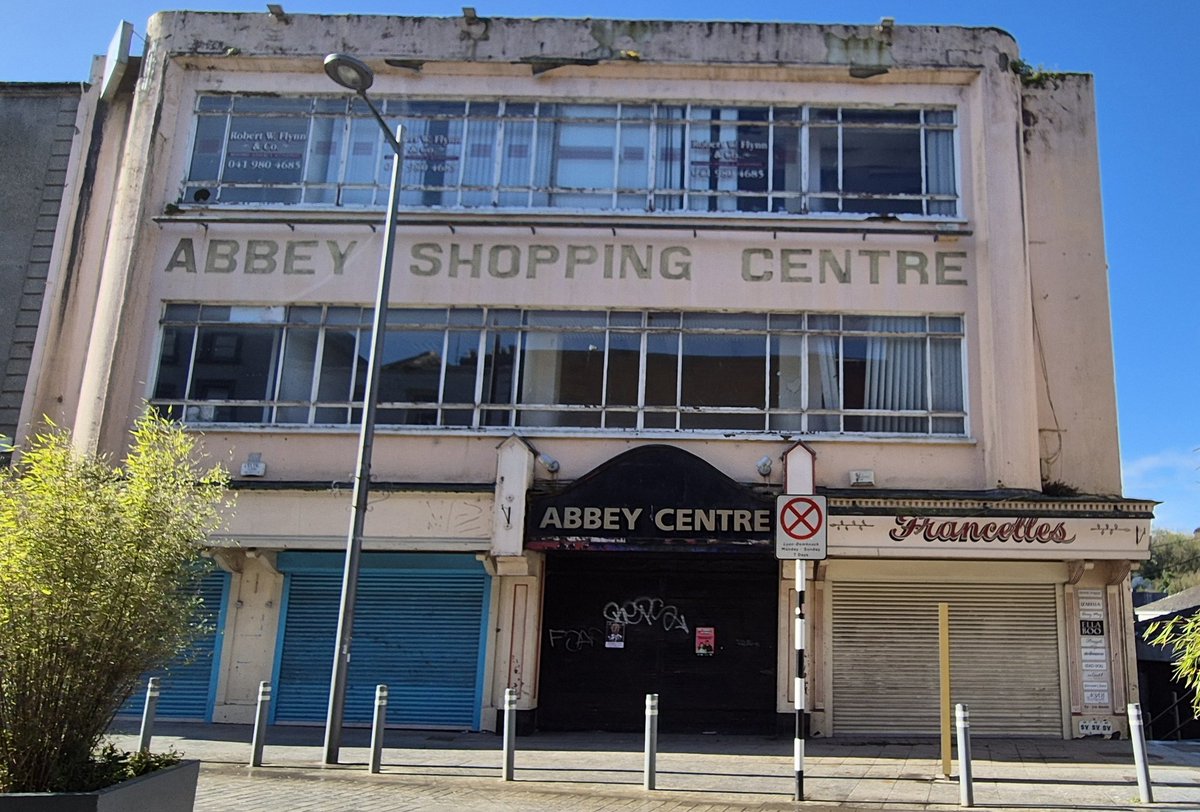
x,y
419,628
659,579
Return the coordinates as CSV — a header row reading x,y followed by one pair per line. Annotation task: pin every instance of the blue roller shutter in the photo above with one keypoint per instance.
x,y
419,628
188,684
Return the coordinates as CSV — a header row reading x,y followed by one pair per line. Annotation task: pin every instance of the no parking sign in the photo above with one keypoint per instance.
x,y
800,527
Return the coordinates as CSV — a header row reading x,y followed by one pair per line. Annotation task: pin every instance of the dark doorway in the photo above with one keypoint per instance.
x,y
595,676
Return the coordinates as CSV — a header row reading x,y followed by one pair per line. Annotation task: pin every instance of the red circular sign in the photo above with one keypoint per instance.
x,y
801,518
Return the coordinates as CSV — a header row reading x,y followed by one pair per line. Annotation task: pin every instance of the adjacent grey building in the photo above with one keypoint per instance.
x,y
37,131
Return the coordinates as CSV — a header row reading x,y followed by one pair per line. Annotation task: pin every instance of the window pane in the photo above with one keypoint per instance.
x,y
479,161
462,362
564,368
235,363
634,157
208,149
411,367
266,150
824,373
945,358
722,370
325,151
662,369
881,161
710,422
296,378
174,359
624,358
339,361
500,352
939,162
787,373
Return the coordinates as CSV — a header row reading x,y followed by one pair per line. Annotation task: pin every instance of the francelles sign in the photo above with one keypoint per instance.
x,y
600,260
1015,537
1027,530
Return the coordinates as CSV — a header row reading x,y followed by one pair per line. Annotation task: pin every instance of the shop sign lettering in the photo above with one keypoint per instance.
x,y
1027,530
638,262
665,520
301,257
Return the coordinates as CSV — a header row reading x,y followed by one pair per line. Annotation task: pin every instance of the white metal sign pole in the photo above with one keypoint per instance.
x,y
799,690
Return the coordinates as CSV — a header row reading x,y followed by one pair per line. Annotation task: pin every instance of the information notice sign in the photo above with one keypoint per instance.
x,y
800,528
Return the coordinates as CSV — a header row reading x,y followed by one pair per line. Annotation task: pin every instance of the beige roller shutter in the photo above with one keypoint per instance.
x,y
1003,652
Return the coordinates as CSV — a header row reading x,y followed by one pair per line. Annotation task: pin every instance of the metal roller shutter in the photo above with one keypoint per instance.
x,y
186,685
1004,657
418,628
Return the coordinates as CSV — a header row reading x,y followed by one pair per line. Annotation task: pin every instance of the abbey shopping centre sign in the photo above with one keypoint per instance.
x,y
525,259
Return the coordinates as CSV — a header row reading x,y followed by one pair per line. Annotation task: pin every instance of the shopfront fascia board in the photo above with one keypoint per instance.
x,y
446,522
1044,536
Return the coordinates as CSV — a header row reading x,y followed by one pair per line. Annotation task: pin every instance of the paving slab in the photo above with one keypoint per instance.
x,y
601,772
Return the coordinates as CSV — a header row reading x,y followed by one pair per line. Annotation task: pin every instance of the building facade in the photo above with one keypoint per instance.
x,y
37,135
650,275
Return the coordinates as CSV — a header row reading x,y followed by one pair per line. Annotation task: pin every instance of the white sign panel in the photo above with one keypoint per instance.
x,y
800,528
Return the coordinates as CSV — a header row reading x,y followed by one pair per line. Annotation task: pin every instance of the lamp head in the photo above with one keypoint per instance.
x,y
350,73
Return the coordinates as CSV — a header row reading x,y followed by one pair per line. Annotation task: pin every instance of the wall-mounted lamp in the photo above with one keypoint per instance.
x,y
764,466
548,462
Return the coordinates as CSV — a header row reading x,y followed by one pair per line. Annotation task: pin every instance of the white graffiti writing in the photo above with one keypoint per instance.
x,y
648,611
574,639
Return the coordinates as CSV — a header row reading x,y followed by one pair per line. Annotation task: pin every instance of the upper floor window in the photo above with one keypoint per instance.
x,y
618,370
529,155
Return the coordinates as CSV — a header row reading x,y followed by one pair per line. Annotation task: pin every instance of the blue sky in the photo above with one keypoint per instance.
x,y
1142,55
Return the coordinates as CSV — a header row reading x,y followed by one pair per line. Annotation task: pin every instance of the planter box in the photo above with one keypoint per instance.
x,y
169,790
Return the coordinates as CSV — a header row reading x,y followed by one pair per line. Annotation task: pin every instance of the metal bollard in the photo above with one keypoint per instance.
x,y
510,731
260,724
381,703
651,741
1138,736
966,787
148,711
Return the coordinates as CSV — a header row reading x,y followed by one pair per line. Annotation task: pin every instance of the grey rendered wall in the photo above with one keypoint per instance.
x,y
37,128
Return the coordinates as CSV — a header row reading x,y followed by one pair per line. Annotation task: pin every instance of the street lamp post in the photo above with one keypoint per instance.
x,y
355,75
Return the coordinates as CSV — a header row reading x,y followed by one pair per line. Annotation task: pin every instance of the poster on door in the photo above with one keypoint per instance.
x,y
706,641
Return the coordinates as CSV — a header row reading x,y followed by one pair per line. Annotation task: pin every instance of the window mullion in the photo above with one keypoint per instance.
x,y
343,159
533,155
840,163
187,388
804,402
805,135
498,153
224,149
766,401
928,379
678,377
652,157
924,169
314,390
514,391
480,365
616,164
770,179
463,145
643,351
687,140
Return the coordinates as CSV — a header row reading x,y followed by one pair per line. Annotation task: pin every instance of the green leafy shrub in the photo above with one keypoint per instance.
x,y
97,562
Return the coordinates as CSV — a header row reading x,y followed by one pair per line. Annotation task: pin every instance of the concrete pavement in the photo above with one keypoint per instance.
x,y
428,770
